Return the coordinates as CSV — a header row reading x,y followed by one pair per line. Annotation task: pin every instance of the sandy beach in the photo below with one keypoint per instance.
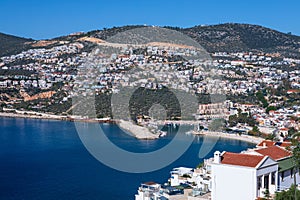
x,y
32,116
37,115
246,138
137,131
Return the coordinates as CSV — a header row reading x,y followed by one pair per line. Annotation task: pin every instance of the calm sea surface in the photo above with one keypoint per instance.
x,y
43,159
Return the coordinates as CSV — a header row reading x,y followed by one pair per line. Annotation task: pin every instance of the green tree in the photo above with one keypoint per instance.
x,y
292,132
269,108
267,194
289,194
255,131
200,165
260,96
271,136
241,118
233,120
216,125
296,158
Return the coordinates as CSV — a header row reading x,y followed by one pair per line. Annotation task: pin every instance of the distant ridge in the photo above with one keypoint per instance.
x,y
234,37
229,37
10,44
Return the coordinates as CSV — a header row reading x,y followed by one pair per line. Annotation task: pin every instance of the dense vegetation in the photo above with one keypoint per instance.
x,y
232,37
288,195
12,44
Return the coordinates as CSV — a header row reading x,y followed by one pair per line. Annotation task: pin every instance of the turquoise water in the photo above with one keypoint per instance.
x,y
44,159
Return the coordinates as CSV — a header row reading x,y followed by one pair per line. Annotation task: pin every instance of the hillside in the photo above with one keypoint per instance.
x,y
230,37
10,44
244,37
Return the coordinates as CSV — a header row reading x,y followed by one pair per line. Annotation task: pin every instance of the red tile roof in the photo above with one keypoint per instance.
x,y
285,144
150,183
240,159
267,143
284,129
292,91
274,152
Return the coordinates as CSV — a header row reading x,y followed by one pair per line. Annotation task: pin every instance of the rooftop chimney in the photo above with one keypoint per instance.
x,y
217,157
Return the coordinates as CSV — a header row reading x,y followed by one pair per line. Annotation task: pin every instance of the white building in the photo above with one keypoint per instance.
x,y
239,176
149,191
180,175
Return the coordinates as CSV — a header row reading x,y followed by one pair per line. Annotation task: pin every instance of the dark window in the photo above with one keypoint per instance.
x,y
292,172
266,181
258,182
273,178
282,175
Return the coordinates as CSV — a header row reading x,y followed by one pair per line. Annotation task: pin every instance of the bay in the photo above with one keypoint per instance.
x,y
45,159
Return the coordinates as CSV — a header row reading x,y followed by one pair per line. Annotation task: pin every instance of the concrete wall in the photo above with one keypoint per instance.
x,y
233,182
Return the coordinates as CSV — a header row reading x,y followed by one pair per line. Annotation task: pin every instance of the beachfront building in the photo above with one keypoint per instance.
x,y
213,110
202,177
149,191
199,178
244,176
180,175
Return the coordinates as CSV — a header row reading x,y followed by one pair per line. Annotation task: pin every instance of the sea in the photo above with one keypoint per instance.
x,y
45,159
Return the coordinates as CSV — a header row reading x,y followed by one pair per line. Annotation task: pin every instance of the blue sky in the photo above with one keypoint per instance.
x,y
40,19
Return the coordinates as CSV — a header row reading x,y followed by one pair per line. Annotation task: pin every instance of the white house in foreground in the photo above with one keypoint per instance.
x,y
237,176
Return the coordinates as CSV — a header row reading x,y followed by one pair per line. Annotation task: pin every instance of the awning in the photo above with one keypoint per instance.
x,y
286,164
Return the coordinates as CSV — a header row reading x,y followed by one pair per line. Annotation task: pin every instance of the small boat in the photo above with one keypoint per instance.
x,y
162,133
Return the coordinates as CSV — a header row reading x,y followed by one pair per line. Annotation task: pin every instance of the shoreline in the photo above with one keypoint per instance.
x,y
244,138
54,117
138,132
19,115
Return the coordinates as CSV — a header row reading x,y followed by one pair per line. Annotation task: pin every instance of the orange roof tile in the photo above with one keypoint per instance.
x,y
284,129
292,91
267,143
285,144
274,152
150,183
240,159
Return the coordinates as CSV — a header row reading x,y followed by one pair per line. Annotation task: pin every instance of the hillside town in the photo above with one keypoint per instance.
x,y
245,93
264,86
149,100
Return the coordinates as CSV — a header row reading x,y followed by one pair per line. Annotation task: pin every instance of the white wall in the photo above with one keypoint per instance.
x,y
233,182
175,180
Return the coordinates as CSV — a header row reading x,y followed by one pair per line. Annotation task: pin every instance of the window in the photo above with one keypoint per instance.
x,y
292,172
259,182
266,181
273,178
282,175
